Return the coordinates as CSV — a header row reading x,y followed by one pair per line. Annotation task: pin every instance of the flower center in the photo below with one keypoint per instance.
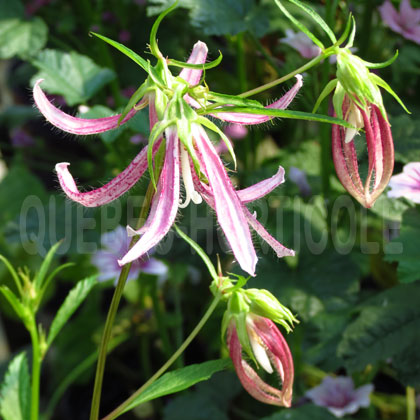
x,y
190,193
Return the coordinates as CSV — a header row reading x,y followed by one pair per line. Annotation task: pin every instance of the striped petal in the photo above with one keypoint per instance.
x,y
165,202
227,204
251,119
198,56
72,124
110,191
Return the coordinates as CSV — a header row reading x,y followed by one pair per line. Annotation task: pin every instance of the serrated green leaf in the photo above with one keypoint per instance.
x,y
221,17
384,328
180,379
23,38
404,248
15,392
73,300
72,75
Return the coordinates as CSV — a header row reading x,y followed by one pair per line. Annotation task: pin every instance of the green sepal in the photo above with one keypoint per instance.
x,y
224,99
204,66
41,275
13,272
301,27
316,17
212,126
157,131
380,82
383,64
135,98
153,42
346,32
352,34
338,99
325,92
265,304
125,50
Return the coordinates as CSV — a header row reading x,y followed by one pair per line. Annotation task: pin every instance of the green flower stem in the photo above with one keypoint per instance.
x,y
106,336
120,409
36,369
411,403
276,82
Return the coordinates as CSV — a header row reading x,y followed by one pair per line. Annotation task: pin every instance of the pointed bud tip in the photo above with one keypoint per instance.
x,y
62,166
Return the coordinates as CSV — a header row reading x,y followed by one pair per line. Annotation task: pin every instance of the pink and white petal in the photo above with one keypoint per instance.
x,y
251,119
166,199
227,204
280,250
261,188
110,191
72,124
198,56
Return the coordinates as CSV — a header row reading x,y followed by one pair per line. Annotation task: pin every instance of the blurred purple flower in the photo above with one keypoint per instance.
x,y
236,131
108,16
124,36
407,183
339,396
298,177
129,91
20,138
406,22
140,2
301,43
32,7
114,246
138,139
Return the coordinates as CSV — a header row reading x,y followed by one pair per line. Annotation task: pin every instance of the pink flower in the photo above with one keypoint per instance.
x,y
114,246
232,214
339,396
301,43
233,132
271,352
407,183
406,22
380,148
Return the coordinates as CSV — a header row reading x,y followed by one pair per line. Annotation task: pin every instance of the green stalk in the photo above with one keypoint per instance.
x,y
116,298
411,403
36,370
120,409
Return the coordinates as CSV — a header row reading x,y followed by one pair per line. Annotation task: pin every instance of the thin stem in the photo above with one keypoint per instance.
x,y
106,336
411,403
36,370
121,408
276,82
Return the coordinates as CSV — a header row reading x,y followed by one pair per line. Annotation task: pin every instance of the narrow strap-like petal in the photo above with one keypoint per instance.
x,y
165,202
198,56
228,206
110,191
262,188
280,250
250,119
72,124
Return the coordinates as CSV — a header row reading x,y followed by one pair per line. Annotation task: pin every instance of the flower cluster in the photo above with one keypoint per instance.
x,y
176,105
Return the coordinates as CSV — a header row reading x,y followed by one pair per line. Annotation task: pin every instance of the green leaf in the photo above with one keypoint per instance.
x,y
284,113
11,9
22,38
100,111
221,17
305,412
18,189
73,300
180,379
72,75
407,364
407,131
15,392
42,273
384,328
404,248
390,208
